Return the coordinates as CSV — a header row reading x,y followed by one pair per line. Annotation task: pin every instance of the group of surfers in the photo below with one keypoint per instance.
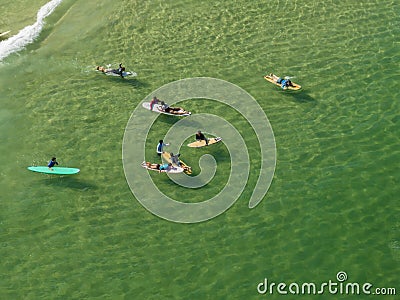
x,y
175,161
167,166
164,107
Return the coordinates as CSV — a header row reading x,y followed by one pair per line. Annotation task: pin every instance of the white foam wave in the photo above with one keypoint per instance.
x,y
28,34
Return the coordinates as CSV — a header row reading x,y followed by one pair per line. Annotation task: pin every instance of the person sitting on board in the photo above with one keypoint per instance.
x,y
160,147
165,167
154,101
200,137
173,110
52,163
175,159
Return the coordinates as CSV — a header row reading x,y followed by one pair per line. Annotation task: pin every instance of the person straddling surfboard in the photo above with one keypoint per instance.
x,y
160,147
200,137
153,102
176,162
52,162
175,159
284,82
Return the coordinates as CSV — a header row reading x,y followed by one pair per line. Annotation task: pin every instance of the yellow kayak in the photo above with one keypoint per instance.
x,y
274,79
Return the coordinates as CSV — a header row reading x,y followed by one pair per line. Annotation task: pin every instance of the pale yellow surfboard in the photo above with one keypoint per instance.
x,y
271,79
202,143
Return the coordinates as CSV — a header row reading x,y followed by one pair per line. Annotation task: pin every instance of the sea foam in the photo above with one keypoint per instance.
x,y
28,34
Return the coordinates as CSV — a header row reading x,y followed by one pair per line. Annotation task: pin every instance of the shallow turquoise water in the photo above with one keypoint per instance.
x,y
332,205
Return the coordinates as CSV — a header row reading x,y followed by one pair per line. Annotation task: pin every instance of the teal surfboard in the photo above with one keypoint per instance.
x,y
54,170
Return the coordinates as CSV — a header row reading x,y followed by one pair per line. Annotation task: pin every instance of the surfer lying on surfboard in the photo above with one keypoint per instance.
x,y
284,82
173,110
118,71
160,168
149,165
161,107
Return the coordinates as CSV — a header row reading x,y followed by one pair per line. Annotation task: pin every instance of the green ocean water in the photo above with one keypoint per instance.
x,y
333,203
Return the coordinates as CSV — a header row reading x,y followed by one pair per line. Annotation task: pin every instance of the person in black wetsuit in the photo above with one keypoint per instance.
x,y
121,69
200,136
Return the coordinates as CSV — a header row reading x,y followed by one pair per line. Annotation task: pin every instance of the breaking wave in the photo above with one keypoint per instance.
x,y
28,34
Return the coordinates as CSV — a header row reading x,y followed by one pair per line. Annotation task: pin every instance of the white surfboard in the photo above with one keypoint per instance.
x,y
4,33
125,74
173,170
